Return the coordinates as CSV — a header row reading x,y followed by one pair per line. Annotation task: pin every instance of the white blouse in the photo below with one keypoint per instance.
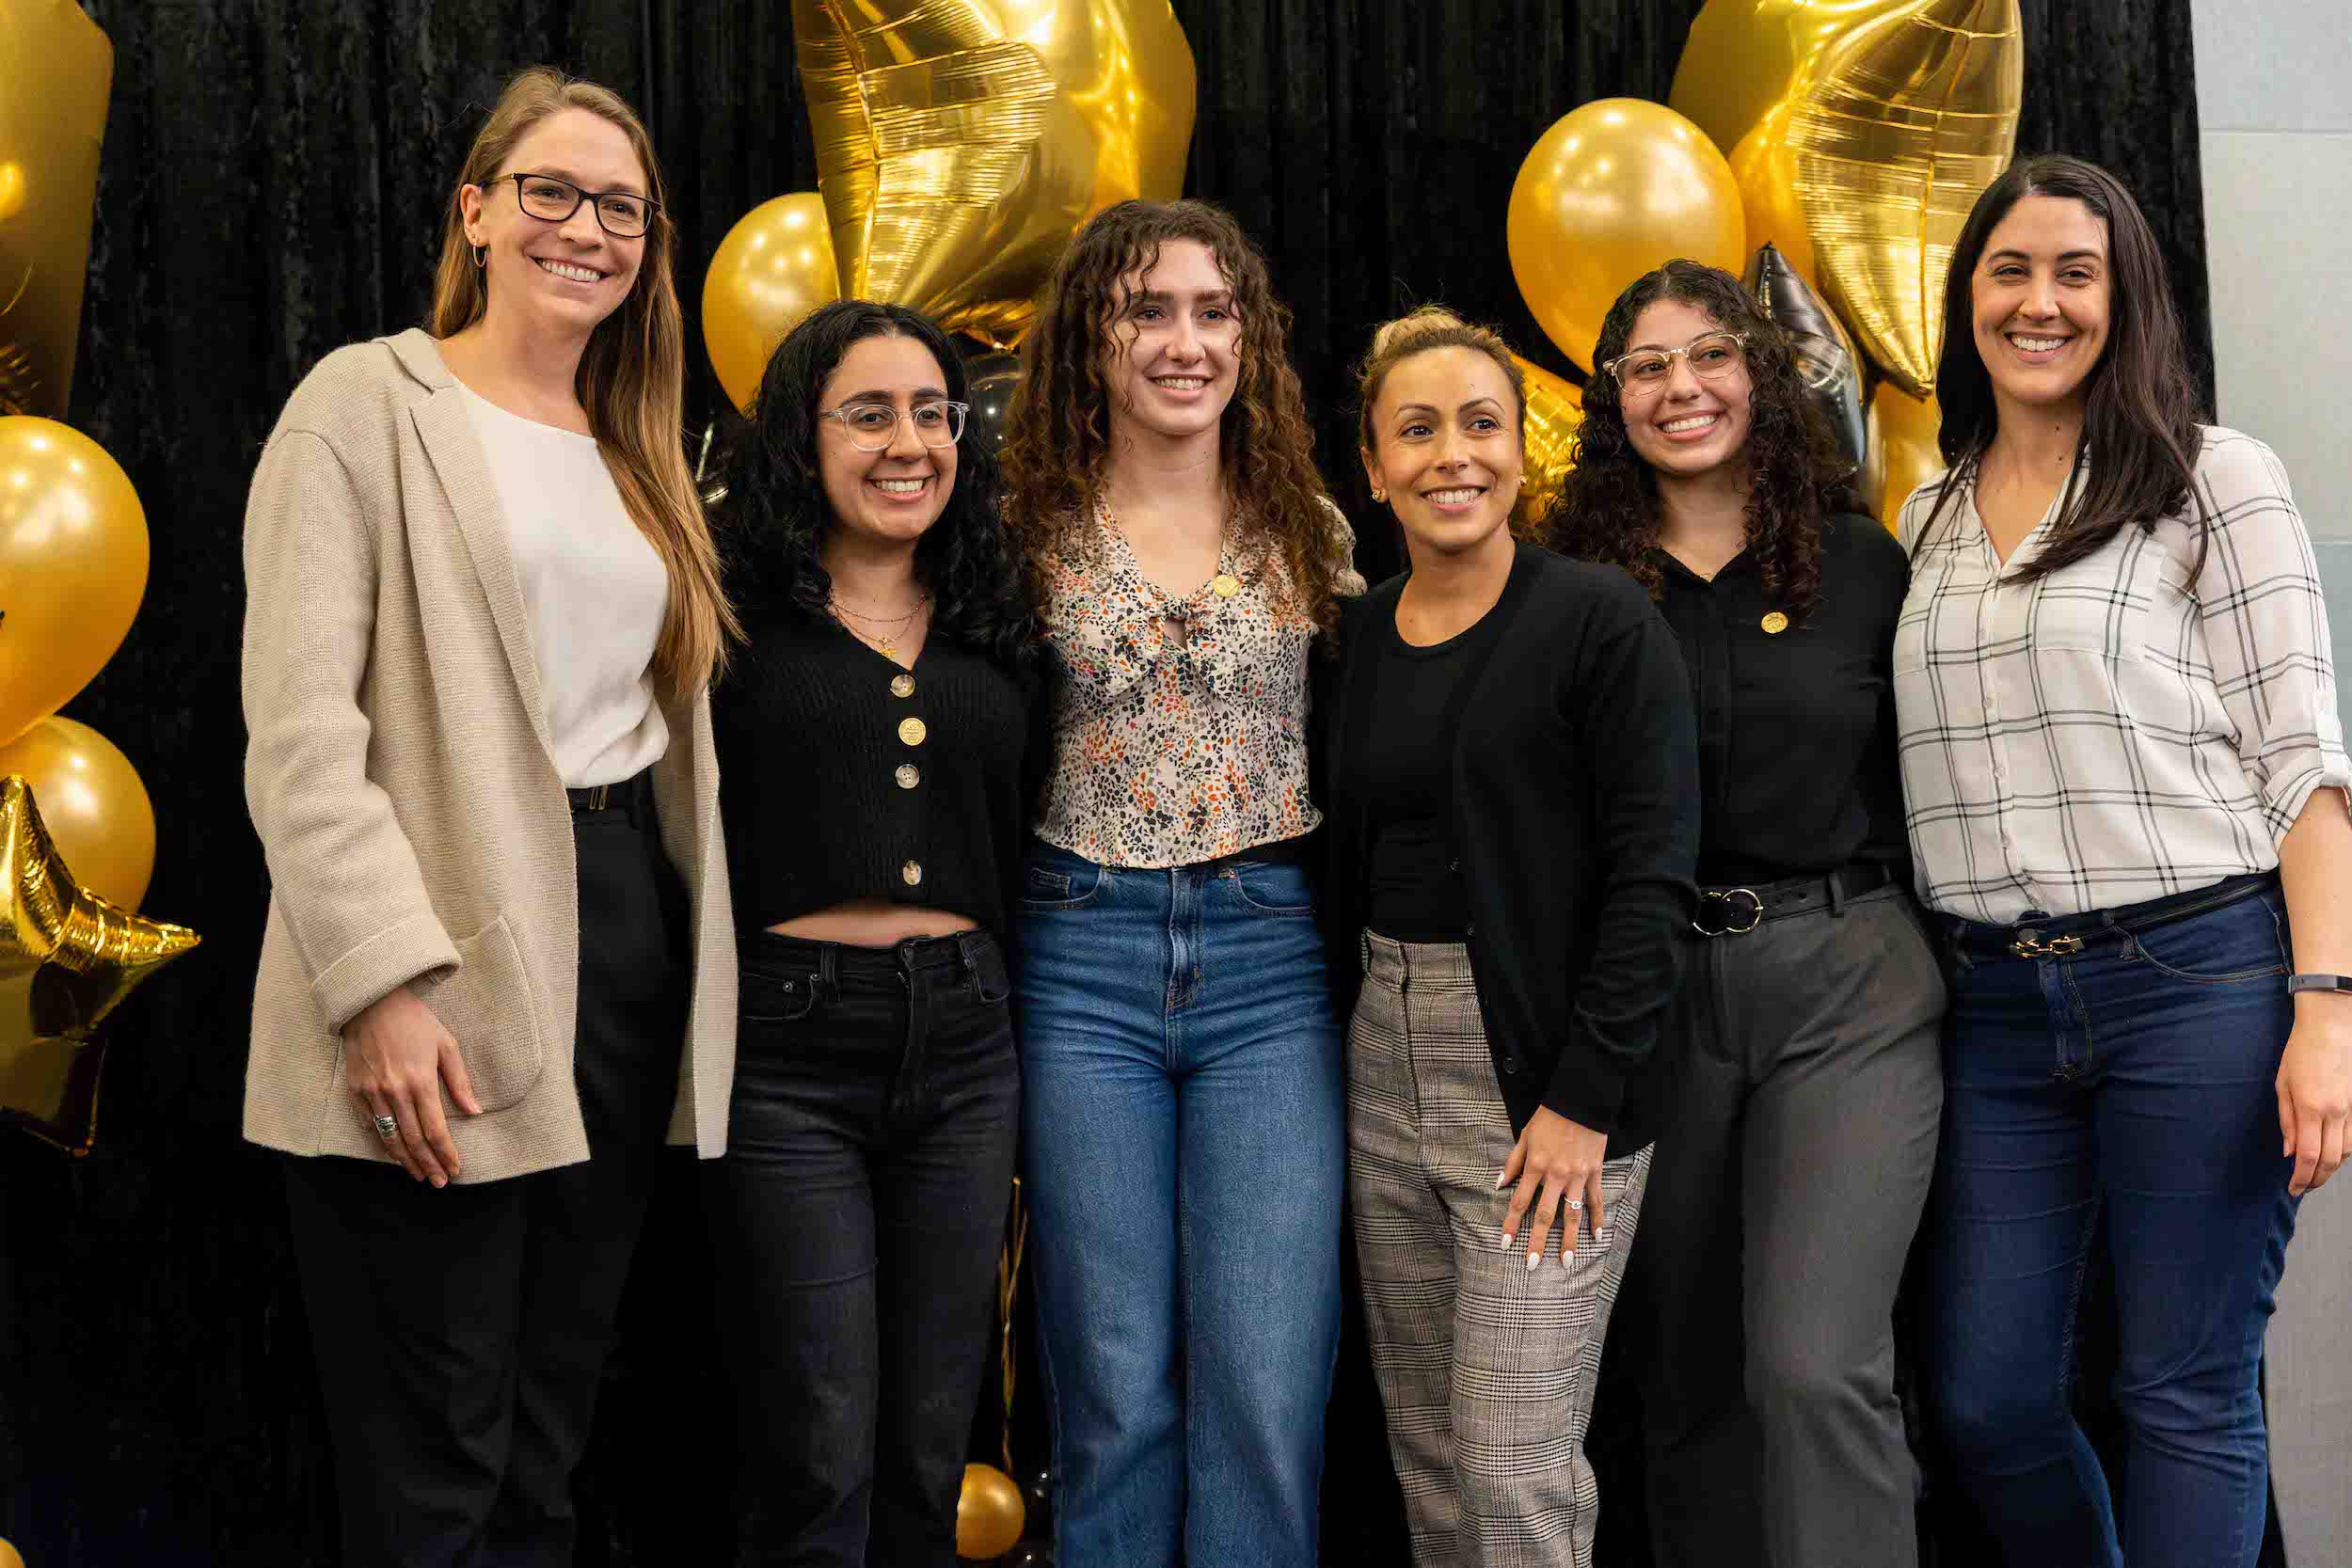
x,y
2126,727
594,590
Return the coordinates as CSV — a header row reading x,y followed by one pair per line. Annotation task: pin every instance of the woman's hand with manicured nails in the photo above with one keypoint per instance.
x,y
2315,1090
1554,1159
396,1057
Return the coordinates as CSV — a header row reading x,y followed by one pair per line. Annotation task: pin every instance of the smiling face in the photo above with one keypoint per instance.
x,y
1446,448
1173,356
897,494
1691,424
2039,299
564,278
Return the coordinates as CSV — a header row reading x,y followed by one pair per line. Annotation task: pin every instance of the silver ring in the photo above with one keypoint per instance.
x,y
1576,1203
387,1129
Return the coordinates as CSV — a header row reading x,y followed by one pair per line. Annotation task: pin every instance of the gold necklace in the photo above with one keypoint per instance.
x,y
886,645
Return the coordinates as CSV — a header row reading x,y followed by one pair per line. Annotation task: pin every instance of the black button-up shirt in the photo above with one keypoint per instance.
x,y
1797,733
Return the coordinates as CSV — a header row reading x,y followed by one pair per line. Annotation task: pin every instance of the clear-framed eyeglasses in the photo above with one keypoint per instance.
x,y
1644,373
622,214
872,426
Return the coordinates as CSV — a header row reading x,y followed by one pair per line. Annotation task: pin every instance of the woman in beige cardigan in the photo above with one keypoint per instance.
x,y
483,610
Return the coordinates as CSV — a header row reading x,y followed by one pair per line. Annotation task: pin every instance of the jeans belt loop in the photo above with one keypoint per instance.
x,y
1836,895
828,978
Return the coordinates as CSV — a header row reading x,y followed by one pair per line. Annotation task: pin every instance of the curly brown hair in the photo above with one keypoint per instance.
x,y
1609,508
1420,330
1056,452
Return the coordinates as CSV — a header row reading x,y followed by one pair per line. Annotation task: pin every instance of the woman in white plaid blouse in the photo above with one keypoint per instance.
x,y
2126,785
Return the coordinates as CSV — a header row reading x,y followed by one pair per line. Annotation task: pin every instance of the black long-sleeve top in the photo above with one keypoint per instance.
x,y
1574,811
1797,732
844,777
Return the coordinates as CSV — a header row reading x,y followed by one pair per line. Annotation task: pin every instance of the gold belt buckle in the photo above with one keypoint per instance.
x,y
1754,912
2030,946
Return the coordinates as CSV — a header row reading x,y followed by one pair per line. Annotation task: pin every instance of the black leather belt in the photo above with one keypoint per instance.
x,y
2064,936
1733,912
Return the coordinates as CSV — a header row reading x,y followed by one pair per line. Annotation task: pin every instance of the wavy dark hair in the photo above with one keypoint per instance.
x,y
771,511
1056,452
2140,409
1609,508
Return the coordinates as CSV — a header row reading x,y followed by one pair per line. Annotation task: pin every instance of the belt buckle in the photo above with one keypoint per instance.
x,y
1754,912
2029,944
595,796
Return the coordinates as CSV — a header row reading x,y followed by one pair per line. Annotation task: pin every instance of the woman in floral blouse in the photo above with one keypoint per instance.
x,y
1182,1101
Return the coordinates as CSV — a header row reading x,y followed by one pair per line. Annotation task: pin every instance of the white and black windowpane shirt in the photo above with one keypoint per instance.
x,y
2126,727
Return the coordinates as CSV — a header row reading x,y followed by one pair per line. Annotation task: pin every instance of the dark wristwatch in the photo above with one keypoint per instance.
x,y
2320,982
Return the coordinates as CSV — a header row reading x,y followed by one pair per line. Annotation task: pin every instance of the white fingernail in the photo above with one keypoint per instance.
x,y
1567,1256
1506,1241
1502,1179
1602,1238
1534,1260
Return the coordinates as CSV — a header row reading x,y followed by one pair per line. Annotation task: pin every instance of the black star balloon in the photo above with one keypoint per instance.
x,y
68,957
1825,352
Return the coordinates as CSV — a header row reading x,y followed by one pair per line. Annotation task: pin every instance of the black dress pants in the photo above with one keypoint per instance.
x,y
855,1224
461,1333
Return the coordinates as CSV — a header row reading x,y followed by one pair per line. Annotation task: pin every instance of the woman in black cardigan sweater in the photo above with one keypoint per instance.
x,y
1511,827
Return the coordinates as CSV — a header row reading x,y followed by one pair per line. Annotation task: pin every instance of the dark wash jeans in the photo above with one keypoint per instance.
x,y
855,1224
2138,1075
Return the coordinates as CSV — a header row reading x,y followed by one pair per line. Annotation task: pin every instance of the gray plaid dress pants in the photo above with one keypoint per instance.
x,y
1485,1366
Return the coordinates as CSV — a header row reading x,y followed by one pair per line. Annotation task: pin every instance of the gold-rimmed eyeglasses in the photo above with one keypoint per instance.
x,y
1644,373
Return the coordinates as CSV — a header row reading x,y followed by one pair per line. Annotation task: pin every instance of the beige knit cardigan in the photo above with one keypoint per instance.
x,y
399,773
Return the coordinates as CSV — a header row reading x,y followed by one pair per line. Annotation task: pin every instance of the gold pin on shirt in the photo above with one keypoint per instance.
x,y
1225,585
1775,622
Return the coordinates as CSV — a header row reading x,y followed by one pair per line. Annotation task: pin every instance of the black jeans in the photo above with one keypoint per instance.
x,y
855,1222
461,1333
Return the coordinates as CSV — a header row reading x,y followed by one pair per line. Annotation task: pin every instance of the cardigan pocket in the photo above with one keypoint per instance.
x,y
488,1007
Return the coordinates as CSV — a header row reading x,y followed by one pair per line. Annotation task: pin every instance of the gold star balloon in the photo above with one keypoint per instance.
x,y
1864,169
1555,409
961,143
67,958
55,68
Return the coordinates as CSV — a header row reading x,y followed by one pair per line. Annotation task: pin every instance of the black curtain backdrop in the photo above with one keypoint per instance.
x,y
271,182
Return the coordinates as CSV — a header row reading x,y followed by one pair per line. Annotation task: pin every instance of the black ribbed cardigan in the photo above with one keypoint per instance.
x,y
1576,822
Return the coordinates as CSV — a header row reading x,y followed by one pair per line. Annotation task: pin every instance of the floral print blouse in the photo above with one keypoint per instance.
x,y
1172,749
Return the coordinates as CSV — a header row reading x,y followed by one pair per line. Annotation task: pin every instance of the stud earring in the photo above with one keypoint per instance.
x,y
1378,494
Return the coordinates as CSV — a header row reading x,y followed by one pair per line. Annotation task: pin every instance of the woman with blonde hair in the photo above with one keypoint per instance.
x,y
1512,820
483,610
1181,1105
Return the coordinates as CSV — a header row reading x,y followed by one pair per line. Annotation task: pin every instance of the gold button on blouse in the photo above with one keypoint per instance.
x,y
908,775
912,873
902,685
1225,584
912,730
1775,622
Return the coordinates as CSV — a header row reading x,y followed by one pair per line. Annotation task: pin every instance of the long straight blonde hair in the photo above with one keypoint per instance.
x,y
632,380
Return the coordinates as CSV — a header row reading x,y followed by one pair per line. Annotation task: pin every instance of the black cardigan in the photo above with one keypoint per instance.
x,y
1576,823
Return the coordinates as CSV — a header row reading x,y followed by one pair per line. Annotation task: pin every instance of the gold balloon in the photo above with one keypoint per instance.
x,y
1741,55
1865,169
73,565
96,809
8,1558
1903,451
67,958
1555,407
55,68
961,143
1613,190
774,267
989,1515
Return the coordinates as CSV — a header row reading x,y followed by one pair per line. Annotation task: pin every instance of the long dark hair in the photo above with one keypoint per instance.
x,y
2140,409
773,514
1056,452
1609,508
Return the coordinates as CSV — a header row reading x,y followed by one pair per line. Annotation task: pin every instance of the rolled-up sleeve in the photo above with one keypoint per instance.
x,y
2265,626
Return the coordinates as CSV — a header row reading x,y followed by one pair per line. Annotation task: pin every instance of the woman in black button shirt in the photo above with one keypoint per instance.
x,y
1510,830
873,741
1802,1081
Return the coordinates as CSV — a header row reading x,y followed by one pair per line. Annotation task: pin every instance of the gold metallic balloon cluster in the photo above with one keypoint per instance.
x,y
77,831
959,144
1851,137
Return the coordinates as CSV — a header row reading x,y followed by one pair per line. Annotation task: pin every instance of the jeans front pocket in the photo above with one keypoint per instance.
x,y
1272,887
775,996
1055,880
2241,942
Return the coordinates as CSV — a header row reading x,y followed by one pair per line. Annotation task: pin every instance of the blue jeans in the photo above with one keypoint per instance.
x,y
1184,1129
2134,1075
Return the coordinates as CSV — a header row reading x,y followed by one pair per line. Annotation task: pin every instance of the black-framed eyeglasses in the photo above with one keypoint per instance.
x,y
622,214
1644,373
872,426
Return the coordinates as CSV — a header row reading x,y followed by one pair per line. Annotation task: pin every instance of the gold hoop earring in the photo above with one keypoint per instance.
x,y
480,256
